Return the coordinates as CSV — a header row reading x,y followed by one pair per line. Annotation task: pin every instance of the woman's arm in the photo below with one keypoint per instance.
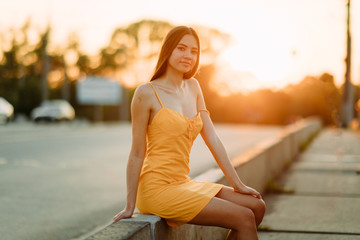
x,y
140,112
217,149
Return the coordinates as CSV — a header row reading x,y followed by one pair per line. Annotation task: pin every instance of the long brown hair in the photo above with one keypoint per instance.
x,y
171,41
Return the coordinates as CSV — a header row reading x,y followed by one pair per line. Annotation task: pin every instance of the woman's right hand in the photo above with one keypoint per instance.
x,y
126,213
249,191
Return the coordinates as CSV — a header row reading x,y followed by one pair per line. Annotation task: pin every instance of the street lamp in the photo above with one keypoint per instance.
x,y
348,95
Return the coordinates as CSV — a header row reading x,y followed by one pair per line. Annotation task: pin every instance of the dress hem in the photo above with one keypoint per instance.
x,y
198,209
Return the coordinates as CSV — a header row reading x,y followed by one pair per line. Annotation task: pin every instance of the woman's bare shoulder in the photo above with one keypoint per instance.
x,y
193,81
144,93
144,90
194,84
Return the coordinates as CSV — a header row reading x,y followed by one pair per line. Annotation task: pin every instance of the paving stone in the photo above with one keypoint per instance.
x,y
339,158
312,165
326,200
337,182
303,236
312,213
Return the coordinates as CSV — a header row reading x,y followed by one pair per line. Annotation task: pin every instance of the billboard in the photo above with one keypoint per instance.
x,y
95,90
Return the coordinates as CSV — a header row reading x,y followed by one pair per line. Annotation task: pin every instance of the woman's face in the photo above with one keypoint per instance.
x,y
184,56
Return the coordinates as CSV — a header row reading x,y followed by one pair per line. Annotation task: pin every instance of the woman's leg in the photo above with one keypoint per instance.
x,y
223,213
255,204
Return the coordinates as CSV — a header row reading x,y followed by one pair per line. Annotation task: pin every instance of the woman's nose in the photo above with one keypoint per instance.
x,y
187,54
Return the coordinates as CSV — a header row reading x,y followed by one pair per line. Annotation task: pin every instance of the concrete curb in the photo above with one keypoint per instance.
x,y
125,230
257,167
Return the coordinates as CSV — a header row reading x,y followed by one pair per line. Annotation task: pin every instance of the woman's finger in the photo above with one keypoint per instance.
x,y
257,194
117,217
121,215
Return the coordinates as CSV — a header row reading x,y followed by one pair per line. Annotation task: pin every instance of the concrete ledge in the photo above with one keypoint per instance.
x,y
125,230
256,167
160,229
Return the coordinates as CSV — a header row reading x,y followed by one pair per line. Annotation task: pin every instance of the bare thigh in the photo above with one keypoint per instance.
x,y
223,213
255,204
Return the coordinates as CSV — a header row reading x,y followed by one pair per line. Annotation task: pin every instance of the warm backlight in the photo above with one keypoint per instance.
x,y
264,54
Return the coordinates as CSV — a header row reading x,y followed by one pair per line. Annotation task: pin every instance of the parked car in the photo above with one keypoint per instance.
x,y
6,111
53,110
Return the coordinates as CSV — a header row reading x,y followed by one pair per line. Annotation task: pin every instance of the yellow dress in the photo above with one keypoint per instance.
x,y
165,189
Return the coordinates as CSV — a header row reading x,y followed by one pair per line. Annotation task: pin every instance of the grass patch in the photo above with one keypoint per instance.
x,y
264,228
274,187
304,145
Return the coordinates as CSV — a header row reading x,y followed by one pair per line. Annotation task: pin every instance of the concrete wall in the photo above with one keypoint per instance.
x,y
256,167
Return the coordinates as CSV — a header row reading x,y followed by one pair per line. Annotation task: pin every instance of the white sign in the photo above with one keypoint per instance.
x,y
94,90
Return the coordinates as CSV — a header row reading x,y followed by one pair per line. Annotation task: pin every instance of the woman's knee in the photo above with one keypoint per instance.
x,y
259,211
261,207
246,219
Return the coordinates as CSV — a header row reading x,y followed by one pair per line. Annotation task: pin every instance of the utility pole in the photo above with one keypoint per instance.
x,y
65,91
348,95
46,57
46,66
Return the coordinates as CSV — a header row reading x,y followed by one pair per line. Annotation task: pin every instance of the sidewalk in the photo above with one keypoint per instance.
x,y
319,195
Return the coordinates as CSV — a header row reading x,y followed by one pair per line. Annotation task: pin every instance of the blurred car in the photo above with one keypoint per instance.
x,y
6,111
53,110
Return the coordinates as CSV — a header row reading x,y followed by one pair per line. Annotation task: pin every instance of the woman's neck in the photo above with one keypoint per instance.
x,y
174,79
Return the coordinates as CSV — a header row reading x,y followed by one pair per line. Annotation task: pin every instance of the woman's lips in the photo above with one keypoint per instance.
x,y
186,63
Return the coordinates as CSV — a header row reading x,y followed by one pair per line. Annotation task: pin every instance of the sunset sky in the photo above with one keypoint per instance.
x,y
277,41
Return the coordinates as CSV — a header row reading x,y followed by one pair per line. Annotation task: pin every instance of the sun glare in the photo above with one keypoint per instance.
x,y
270,66
263,49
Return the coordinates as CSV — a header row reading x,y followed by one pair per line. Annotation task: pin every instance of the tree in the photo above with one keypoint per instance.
x,y
19,69
316,96
132,51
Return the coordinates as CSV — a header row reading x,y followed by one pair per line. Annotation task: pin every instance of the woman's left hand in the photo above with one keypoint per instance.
x,y
126,213
248,190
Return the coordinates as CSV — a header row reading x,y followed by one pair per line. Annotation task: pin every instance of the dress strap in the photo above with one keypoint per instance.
x,y
205,110
156,95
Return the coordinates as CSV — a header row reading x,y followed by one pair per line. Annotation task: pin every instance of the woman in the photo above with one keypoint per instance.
x,y
167,115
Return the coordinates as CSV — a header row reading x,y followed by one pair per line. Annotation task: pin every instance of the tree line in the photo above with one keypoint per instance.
x,y
129,58
313,96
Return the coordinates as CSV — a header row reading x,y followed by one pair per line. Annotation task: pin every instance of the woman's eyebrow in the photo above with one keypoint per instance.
x,y
182,44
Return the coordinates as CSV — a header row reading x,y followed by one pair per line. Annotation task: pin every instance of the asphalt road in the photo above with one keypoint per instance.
x,y
62,181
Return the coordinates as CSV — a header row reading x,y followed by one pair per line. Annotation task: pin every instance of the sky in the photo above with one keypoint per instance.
x,y
277,42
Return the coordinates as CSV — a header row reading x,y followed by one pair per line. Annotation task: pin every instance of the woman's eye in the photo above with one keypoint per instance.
x,y
181,48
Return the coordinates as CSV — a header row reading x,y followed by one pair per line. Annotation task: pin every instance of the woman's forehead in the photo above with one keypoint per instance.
x,y
189,41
